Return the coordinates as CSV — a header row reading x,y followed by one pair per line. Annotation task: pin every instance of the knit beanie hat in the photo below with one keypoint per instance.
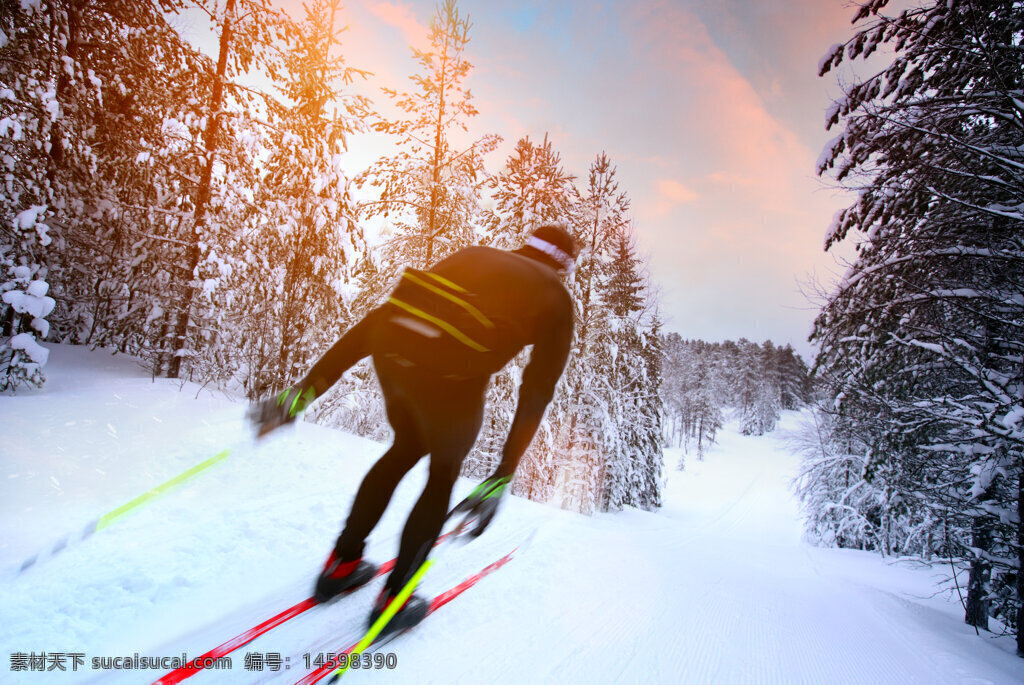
x,y
556,244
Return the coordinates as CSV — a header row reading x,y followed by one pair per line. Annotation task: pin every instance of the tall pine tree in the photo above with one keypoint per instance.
x,y
293,293
921,341
97,101
430,189
246,31
570,457
633,476
533,189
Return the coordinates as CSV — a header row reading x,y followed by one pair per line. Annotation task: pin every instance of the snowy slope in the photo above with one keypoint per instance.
x,y
715,587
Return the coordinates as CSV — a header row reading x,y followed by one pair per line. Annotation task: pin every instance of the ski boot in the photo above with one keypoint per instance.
x,y
342,576
412,612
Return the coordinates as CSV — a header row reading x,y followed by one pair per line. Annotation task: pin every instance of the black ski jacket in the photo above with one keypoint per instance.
x,y
522,301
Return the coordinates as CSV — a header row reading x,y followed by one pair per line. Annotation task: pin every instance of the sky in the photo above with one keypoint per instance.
x,y
711,110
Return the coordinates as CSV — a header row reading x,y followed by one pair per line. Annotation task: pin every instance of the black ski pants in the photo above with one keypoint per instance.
x,y
439,417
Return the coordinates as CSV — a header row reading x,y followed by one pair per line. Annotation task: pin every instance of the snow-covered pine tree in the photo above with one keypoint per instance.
x,y
41,160
709,392
580,415
292,291
126,251
532,190
793,378
91,94
220,197
569,465
653,351
633,449
602,213
758,388
842,508
672,393
922,340
746,372
430,189
694,392
770,395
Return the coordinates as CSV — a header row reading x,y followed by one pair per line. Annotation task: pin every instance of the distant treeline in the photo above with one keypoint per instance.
x,y
702,380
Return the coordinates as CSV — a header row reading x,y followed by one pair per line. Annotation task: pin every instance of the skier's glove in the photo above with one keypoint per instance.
x,y
277,411
482,504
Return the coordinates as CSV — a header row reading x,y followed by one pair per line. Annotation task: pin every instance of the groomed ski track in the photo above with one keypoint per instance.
x,y
715,587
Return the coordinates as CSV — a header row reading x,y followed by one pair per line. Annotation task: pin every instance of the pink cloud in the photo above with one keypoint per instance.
x,y
404,19
757,226
675,192
734,125
671,194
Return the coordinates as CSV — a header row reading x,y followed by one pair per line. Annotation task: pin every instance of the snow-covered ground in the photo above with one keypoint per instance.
x,y
715,587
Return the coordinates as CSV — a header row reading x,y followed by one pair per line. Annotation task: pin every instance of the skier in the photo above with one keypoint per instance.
x,y
435,343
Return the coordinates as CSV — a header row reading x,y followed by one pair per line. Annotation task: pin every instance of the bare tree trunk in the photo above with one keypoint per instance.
x,y
203,193
585,303
436,171
981,571
1020,568
74,14
290,306
700,439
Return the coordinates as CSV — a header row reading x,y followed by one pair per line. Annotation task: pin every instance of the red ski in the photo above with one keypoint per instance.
x,y
244,638
436,603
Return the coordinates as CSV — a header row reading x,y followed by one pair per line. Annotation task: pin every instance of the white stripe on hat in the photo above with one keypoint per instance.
x,y
552,251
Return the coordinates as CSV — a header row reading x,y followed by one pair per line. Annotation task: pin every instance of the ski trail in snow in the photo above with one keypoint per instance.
x,y
715,587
